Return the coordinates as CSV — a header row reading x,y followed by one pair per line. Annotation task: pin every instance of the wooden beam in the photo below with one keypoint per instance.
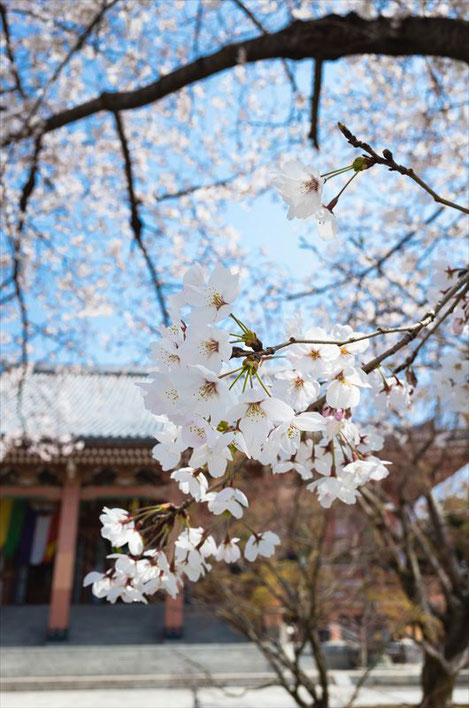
x,y
42,491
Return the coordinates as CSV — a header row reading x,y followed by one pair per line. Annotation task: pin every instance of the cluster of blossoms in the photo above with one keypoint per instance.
x,y
211,411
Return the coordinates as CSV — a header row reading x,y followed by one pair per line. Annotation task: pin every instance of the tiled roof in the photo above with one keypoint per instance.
x,y
84,403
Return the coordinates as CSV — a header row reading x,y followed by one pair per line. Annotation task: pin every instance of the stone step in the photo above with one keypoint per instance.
x,y
340,679
172,658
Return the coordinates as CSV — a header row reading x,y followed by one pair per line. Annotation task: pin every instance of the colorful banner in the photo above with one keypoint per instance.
x,y
15,527
41,534
52,538
5,513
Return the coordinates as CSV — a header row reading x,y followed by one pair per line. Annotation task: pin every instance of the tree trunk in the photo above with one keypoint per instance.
x,y
437,684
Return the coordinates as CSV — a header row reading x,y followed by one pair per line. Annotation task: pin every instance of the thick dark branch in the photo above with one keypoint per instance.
x,y
135,220
328,38
315,98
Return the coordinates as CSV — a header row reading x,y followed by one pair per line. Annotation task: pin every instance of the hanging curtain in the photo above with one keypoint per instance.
x,y
27,534
5,513
15,528
41,534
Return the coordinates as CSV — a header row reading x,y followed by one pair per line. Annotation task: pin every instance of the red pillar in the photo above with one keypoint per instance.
x,y
335,632
174,616
64,565
273,618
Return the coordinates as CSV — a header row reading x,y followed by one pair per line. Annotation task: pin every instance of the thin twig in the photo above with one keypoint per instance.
x,y
261,27
388,161
377,265
411,358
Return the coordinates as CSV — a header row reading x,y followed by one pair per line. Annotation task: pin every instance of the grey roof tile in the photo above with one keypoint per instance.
x,y
84,403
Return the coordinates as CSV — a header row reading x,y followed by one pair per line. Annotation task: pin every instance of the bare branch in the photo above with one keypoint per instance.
x,y
442,535
411,358
377,265
135,220
315,98
388,161
195,188
9,50
261,27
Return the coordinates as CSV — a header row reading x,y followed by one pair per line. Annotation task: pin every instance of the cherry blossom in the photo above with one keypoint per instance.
x,y
215,453
119,529
344,390
171,444
229,410
300,187
229,499
192,548
362,471
228,551
296,389
331,488
326,223
288,434
257,414
261,545
212,299
315,359
208,346
191,482
206,394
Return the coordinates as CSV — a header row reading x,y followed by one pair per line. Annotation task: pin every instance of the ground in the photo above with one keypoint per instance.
x,y
272,697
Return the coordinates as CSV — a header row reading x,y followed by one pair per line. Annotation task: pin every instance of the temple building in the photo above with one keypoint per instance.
x,y
91,447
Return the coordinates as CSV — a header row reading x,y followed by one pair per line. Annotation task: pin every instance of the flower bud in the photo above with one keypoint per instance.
x,y
360,163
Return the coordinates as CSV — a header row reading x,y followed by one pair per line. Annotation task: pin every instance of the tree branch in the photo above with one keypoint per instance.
x,y
443,540
315,98
261,27
328,38
412,331
388,161
411,358
135,220
377,265
80,41
9,51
